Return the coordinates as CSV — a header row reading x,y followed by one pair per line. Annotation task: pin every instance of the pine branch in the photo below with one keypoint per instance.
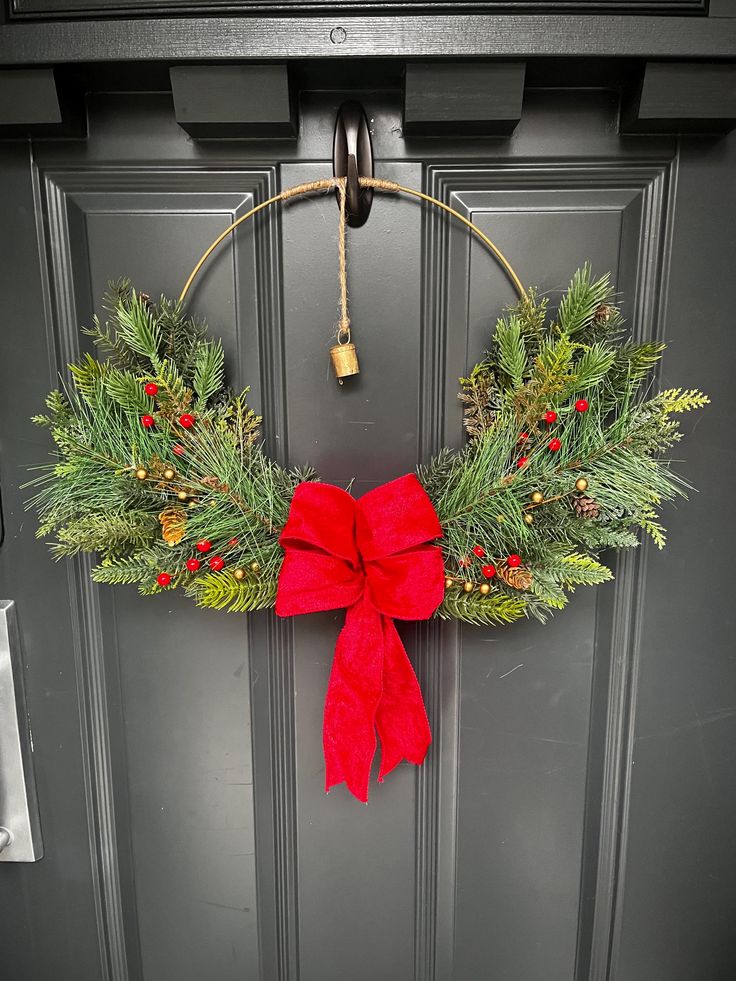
x,y
531,312
106,532
89,377
582,300
474,608
125,571
511,350
593,366
548,590
221,591
181,337
137,326
126,389
583,570
115,349
209,368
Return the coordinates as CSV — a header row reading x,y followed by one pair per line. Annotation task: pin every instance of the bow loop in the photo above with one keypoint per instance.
x,y
321,568
375,557
322,516
394,517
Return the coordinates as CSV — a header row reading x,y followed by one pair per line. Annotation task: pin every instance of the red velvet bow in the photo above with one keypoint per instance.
x,y
372,556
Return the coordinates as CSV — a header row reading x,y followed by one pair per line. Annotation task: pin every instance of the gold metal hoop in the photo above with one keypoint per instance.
x,y
378,184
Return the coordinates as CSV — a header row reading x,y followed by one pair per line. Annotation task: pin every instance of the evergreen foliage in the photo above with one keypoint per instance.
x,y
482,495
91,500
108,491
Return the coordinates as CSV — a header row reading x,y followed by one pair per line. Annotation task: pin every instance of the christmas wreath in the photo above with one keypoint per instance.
x,y
161,470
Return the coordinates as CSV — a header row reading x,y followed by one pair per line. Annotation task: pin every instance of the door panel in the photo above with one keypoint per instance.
x,y
179,758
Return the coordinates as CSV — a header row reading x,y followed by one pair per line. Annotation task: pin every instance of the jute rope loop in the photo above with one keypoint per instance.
x,y
343,328
330,183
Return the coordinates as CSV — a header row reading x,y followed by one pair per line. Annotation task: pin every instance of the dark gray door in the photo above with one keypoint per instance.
x,y
574,817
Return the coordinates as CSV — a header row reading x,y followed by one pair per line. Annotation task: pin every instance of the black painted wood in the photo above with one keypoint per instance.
x,y
33,103
234,101
721,8
49,914
572,818
462,99
677,97
436,36
52,9
675,884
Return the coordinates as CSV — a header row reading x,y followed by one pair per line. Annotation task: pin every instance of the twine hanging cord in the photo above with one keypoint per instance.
x,y
343,328
331,183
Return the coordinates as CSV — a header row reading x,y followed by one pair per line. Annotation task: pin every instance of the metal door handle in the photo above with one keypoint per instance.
x,y
20,829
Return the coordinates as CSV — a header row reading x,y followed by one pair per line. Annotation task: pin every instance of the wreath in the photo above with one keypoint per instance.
x,y
162,472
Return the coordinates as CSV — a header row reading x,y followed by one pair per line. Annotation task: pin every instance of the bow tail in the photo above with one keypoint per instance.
x,y
353,696
401,718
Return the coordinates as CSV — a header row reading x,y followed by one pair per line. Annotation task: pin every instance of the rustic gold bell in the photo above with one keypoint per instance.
x,y
344,360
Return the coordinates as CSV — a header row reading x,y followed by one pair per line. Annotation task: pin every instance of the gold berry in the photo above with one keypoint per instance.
x,y
448,583
255,567
529,519
581,484
169,473
468,587
182,495
239,573
484,588
141,473
537,497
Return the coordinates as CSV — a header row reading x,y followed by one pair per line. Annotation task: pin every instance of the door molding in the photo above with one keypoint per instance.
x,y
423,36
647,185
94,9
62,197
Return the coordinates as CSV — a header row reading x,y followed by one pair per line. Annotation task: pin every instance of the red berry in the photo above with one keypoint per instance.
x,y
489,571
163,579
193,564
550,416
203,546
479,551
523,437
233,542
148,421
513,561
554,444
217,563
186,421
151,388
178,449
581,405
522,461
464,562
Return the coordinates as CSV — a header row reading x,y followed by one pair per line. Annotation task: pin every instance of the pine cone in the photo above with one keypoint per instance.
x,y
215,484
602,314
173,523
519,578
586,507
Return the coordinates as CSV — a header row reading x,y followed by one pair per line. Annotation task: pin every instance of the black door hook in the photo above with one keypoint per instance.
x,y
352,157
